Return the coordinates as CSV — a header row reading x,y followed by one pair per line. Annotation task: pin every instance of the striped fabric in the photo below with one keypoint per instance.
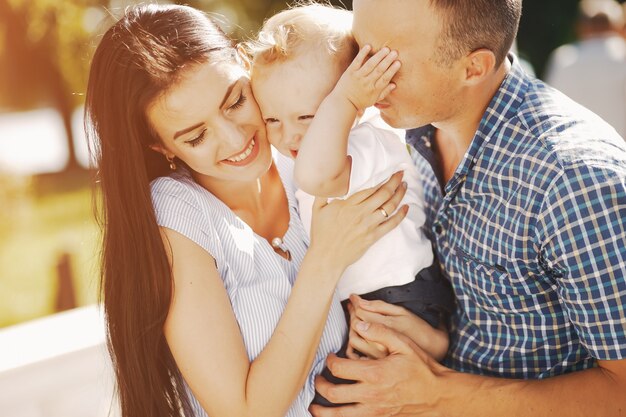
x,y
531,231
258,280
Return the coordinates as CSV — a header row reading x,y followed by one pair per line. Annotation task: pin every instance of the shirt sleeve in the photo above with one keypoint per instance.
x,y
376,155
177,207
583,247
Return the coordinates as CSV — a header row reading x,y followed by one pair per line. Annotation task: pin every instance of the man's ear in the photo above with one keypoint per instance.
x,y
243,57
478,65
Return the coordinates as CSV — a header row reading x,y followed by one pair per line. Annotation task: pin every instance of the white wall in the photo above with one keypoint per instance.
x,y
57,366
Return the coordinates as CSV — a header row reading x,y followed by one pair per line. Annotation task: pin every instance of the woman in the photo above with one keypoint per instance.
x,y
199,266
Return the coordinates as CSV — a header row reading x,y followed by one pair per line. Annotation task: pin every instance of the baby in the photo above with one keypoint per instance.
x,y
313,87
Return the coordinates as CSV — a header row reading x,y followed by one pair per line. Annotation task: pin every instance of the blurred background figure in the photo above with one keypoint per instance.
x,y
592,71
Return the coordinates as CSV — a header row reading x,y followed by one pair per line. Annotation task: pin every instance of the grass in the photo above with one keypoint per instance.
x,y
35,229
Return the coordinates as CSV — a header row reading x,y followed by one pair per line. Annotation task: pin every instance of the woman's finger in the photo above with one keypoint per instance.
x,y
391,223
359,314
371,350
370,317
351,353
390,205
387,194
393,341
363,195
377,306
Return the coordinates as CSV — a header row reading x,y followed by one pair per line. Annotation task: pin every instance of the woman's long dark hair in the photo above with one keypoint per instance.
x,y
139,58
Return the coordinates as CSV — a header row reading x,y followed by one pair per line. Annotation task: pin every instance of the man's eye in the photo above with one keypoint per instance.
x,y
306,117
271,120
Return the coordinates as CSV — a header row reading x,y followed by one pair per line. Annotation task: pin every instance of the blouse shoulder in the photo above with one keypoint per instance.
x,y
184,206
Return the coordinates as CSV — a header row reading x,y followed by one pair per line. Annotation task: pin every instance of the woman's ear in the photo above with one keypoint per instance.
x,y
157,147
243,57
478,65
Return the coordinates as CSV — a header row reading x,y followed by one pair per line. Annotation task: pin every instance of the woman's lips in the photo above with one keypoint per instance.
x,y
251,149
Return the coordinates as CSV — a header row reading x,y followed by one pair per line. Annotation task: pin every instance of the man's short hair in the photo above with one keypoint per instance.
x,y
471,25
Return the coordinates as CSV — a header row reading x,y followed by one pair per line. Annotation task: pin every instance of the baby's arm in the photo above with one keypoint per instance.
x,y
322,165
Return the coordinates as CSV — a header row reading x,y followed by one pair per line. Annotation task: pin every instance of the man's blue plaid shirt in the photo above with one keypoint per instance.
x,y
531,232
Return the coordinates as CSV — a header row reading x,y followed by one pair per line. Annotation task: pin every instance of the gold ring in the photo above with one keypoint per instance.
x,y
383,212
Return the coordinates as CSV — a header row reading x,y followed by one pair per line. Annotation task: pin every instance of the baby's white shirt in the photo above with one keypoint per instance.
x,y
377,152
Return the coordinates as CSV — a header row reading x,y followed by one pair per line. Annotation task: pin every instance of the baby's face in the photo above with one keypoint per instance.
x,y
289,94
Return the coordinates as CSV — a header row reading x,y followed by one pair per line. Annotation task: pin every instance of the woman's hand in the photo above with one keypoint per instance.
x,y
343,230
432,341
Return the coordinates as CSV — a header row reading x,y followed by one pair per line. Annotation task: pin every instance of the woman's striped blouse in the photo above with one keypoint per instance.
x,y
257,279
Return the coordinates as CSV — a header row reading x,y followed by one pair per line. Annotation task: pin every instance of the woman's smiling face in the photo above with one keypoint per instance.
x,y
210,120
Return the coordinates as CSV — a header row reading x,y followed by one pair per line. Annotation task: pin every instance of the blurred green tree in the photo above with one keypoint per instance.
x,y
45,45
44,56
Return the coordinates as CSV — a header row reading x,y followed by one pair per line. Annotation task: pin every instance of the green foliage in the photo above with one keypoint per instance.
x,y
45,50
36,232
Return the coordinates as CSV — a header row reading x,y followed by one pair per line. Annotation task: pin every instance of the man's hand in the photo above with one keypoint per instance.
x,y
433,341
408,382
405,383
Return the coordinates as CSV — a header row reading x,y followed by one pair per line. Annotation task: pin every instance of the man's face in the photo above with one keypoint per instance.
x,y
426,90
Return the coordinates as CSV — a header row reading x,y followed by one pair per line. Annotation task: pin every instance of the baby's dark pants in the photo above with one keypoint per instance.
x,y
429,297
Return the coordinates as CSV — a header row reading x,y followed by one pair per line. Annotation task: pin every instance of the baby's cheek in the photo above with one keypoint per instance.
x,y
273,137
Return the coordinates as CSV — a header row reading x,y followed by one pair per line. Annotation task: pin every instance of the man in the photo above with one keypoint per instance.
x,y
593,70
527,211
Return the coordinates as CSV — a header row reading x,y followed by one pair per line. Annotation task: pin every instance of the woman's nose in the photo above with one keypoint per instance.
x,y
233,134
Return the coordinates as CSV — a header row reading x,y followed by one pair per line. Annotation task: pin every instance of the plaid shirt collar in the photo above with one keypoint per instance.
x,y
503,106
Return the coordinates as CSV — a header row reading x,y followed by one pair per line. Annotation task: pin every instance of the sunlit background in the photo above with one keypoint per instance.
x,y
49,241
49,251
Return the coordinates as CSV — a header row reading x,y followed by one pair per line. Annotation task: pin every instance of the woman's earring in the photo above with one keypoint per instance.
x,y
172,164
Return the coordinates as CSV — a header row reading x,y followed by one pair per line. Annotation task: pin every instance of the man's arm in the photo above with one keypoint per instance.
x,y
410,383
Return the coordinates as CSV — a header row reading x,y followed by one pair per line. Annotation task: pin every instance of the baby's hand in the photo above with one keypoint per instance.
x,y
367,81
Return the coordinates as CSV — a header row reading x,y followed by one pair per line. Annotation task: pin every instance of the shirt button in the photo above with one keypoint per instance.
x,y
438,229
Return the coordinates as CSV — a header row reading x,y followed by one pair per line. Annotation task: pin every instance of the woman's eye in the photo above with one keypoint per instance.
x,y
198,139
307,117
270,120
240,101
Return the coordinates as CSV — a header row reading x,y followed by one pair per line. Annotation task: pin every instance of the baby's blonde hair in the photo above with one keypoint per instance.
x,y
307,27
